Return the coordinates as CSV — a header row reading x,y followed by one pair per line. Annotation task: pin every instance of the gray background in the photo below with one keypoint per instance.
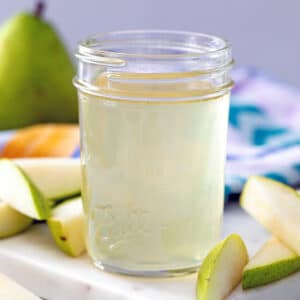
x,y
264,33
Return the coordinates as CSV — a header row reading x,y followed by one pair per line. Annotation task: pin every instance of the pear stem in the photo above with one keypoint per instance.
x,y
39,9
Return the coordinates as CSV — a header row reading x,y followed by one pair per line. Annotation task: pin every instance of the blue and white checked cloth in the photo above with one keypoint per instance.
x,y
264,130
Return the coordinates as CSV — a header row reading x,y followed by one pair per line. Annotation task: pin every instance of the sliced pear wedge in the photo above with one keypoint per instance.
x,y
11,221
272,262
17,190
66,224
10,290
56,178
222,269
276,206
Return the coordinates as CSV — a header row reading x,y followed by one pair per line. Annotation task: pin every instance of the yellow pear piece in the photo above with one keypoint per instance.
x,y
222,269
56,178
11,221
66,224
276,206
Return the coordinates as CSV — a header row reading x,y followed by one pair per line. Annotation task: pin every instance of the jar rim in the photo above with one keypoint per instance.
x,y
192,45
154,58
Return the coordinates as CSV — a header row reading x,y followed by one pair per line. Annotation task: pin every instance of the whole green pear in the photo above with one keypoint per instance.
x,y
35,74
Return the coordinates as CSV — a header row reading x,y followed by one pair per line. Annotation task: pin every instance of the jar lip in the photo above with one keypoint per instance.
x,y
95,45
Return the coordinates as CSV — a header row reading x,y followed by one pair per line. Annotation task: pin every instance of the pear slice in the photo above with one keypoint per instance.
x,y
276,206
272,262
56,178
11,221
66,224
10,290
222,269
17,190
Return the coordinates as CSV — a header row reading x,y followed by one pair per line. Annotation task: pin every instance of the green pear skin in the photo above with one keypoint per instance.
x,y
272,262
35,74
222,269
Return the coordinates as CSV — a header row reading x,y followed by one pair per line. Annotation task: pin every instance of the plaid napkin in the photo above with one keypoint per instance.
x,y
264,130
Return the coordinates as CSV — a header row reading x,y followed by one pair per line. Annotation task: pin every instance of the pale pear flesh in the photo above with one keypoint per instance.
x,y
56,178
222,269
11,221
67,227
276,206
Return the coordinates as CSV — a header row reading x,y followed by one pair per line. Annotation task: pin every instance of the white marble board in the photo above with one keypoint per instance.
x,y
33,260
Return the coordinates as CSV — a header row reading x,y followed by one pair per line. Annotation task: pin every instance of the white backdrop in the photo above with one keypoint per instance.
x,y
264,33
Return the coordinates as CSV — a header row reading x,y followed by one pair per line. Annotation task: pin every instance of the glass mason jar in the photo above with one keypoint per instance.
x,y
153,117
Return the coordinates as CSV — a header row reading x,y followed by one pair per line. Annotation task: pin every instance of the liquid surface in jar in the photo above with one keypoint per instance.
x,y
153,174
